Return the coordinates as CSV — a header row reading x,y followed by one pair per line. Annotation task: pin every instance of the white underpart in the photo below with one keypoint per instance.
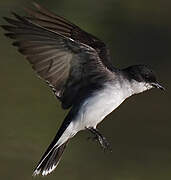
x,y
138,87
95,109
100,104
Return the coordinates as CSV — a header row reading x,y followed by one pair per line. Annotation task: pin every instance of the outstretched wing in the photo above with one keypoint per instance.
x,y
51,21
67,65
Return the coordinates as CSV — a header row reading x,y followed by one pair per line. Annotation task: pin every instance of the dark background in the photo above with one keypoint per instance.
x,y
137,32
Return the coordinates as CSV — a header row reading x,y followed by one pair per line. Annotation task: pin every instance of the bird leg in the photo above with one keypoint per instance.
x,y
100,138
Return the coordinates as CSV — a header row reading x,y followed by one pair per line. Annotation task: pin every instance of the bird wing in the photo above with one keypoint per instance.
x,y
49,20
67,65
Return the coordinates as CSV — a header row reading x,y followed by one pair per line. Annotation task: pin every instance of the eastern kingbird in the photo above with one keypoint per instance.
x,y
78,68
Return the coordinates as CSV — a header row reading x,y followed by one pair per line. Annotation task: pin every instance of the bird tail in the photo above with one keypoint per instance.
x,y
50,160
52,156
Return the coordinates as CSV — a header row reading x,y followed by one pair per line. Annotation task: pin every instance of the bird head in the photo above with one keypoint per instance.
x,y
142,78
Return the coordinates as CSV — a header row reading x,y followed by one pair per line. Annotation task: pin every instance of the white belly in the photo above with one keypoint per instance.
x,y
98,106
95,109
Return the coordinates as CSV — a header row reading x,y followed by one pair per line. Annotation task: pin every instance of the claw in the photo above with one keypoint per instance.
x,y
101,139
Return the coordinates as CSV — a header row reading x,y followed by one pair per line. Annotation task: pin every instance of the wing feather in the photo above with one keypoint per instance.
x,y
56,23
68,66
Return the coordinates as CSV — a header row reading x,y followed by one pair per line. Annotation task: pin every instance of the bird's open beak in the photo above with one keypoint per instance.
x,y
157,85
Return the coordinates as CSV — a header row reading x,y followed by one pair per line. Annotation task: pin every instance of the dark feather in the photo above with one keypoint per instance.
x,y
68,65
51,21
51,161
53,154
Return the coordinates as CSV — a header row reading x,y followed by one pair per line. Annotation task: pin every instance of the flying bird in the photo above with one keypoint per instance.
x,y
78,68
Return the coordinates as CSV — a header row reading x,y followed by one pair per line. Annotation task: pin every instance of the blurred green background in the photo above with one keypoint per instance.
x,y
137,32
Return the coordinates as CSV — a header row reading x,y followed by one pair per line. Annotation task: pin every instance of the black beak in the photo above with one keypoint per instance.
x,y
157,85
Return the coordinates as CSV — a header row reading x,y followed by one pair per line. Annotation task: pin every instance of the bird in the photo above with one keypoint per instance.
x,y
78,68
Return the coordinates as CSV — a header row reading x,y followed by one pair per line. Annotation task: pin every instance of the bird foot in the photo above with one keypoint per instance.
x,y
105,145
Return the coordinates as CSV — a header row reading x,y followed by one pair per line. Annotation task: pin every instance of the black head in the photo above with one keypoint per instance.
x,y
143,73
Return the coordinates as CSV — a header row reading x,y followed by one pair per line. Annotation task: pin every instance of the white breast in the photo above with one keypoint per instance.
x,y
98,106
